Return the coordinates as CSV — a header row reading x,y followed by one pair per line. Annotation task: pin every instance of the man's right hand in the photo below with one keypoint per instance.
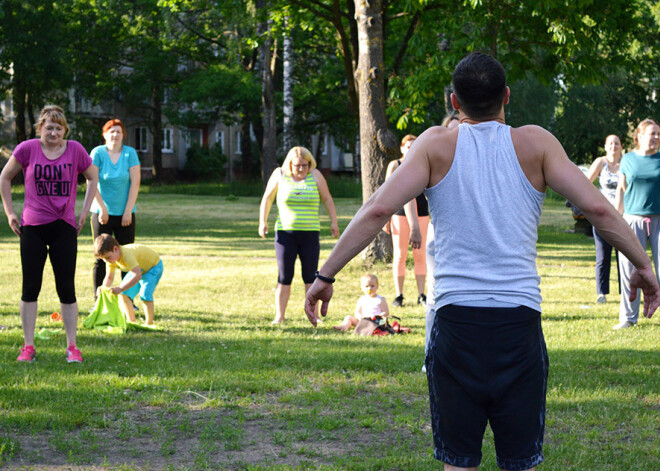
x,y
645,279
319,291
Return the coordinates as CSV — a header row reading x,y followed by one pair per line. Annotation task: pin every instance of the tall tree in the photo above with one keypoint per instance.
x,y
287,85
266,66
378,143
33,59
134,55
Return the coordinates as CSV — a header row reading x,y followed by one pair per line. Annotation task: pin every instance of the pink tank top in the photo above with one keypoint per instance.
x,y
50,185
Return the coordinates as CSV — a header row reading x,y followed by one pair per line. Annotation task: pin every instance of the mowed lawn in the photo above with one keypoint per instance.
x,y
223,389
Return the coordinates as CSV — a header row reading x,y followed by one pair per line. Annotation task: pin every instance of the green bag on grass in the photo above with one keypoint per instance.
x,y
107,316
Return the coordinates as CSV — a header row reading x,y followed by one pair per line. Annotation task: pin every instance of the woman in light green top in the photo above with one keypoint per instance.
x,y
299,187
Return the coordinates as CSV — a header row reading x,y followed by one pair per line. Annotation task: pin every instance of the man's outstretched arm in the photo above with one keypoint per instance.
x,y
404,184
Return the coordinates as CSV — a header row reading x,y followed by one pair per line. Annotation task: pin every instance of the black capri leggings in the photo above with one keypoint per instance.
x,y
123,234
59,241
291,244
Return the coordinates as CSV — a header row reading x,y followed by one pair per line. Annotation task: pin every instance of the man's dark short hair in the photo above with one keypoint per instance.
x,y
479,83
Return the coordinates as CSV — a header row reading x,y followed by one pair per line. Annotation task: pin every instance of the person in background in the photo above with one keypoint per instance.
x,y
606,169
401,227
638,199
48,225
299,187
143,267
113,210
369,305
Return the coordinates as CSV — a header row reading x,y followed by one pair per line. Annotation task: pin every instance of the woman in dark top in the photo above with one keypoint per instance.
x,y
400,229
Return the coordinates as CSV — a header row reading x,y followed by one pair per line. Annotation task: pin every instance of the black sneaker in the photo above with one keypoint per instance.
x,y
421,299
398,301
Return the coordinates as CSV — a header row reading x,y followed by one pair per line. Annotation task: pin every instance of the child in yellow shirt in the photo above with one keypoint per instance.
x,y
144,269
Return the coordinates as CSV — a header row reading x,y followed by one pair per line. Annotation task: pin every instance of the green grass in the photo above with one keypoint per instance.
x,y
223,389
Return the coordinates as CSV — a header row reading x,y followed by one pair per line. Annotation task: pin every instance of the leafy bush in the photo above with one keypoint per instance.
x,y
204,163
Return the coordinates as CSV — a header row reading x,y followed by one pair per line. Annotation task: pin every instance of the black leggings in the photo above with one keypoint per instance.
x,y
59,241
291,244
123,234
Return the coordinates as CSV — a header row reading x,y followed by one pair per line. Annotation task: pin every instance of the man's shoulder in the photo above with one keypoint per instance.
x,y
532,138
530,130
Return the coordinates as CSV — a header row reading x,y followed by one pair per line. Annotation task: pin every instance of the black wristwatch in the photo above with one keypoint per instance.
x,y
324,278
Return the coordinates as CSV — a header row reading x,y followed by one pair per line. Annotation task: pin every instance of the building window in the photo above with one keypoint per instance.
x,y
141,139
167,145
238,143
192,137
220,140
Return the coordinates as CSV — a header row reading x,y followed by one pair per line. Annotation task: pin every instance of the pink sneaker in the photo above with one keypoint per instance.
x,y
73,355
28,354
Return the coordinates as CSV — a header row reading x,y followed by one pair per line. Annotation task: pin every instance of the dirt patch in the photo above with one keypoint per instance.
x,y
185,437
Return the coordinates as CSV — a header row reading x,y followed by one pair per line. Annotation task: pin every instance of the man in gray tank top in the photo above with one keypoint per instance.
x,y
486,360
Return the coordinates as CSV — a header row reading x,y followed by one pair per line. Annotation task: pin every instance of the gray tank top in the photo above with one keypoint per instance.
x,y
485,216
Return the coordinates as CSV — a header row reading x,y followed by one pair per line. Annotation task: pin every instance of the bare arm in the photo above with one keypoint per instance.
x,y
358,309
410,209
10,170
267,201
384,308
400,188
129,281
109,276
595,169
621,188
135,175
326,198
92,176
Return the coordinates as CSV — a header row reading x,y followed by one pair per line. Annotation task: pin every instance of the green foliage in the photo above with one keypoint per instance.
x,y
532,102
204,163
589,113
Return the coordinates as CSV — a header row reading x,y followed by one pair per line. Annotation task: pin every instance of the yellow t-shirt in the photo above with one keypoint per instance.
x,y
134,255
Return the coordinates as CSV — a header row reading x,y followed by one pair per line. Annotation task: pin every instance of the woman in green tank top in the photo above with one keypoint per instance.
x,y
299,187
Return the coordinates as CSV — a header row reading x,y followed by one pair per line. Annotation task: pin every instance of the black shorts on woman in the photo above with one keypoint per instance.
x,y
487,365
290,245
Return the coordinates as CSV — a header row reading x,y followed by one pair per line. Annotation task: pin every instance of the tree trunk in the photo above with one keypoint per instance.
x,y
30,115
269,148
378,144
246,146
18,97
287,55
157,128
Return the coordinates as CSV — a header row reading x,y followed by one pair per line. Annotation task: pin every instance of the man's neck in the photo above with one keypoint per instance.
x,y
463,118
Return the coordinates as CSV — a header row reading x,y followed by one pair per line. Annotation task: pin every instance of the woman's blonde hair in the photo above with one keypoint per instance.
x,y
640,128
406,138
301,152
56,115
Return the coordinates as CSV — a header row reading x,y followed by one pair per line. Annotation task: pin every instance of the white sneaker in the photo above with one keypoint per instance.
x,y
601,299
624,325
423,368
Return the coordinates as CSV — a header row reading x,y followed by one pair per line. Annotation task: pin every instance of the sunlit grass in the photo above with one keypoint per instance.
x,y
223,389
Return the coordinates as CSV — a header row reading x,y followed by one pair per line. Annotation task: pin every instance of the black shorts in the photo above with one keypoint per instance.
x,y
290,245
487,365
